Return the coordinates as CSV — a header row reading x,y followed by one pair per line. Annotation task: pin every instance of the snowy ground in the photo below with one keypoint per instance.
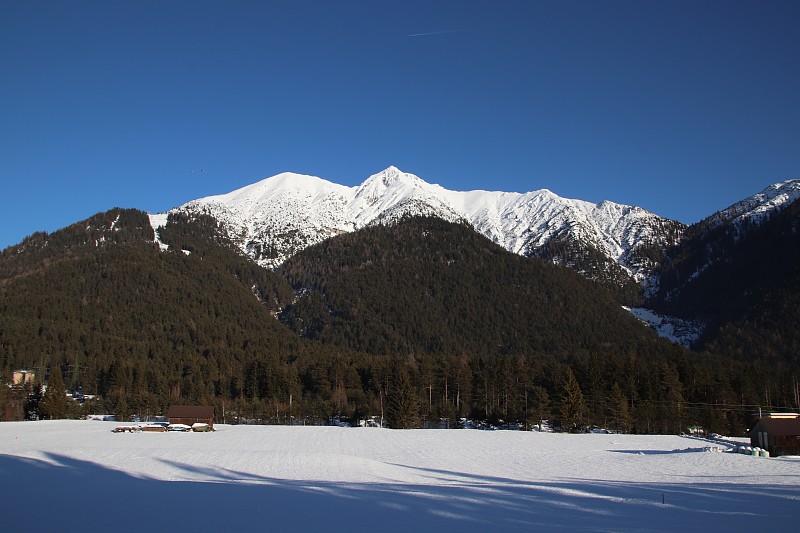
x,y
79,476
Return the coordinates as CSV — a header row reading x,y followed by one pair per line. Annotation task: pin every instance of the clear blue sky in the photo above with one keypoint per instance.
x,y
681,107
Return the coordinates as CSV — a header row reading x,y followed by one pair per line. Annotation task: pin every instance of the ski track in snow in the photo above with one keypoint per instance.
x,y
256,478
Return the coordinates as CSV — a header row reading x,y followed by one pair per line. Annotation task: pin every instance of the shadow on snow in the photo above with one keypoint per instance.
x,y
68,494
659,452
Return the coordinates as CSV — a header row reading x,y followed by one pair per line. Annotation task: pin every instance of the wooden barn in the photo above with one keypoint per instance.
x,y
779,434
191,414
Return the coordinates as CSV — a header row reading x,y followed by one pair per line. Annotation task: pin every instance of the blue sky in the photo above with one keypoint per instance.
x,y
681,107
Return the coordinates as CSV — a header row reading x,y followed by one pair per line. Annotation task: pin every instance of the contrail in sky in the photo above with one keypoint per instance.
x,y
433,33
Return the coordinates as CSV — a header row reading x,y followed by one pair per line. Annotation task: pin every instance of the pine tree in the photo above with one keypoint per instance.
x,y
671,398
402,409
617,410
5,401
122,414
33,403
573,405
538,405
54,404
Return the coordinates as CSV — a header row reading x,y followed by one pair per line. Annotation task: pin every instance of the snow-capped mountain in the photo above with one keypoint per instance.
x,y
758,207
726,264
708,241
278,216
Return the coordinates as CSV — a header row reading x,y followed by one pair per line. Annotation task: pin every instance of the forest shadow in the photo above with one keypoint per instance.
x,y
660,452
64,493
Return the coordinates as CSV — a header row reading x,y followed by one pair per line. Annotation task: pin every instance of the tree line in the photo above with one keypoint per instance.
x,y
423,322
605,390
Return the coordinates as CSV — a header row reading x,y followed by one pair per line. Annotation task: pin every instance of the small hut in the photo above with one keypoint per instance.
x,y
778,433
191,415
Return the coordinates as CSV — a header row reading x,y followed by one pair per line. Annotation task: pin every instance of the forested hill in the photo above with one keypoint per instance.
x,y
120,317
425,313
426,286
743,281
40,250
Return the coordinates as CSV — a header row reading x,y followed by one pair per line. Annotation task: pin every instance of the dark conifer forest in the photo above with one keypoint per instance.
x,y
741,280
424,322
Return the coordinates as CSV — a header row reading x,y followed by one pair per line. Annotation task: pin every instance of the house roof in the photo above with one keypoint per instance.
x,y
779,427
190,411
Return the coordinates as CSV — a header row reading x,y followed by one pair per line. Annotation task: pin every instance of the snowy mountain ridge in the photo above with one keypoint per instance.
x,y
754,211
277,217
760,206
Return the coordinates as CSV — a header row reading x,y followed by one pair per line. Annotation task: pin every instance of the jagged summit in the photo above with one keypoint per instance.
x,y
391,175
278,216
391,181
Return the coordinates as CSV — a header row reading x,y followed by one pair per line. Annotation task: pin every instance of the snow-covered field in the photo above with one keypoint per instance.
x,y
79,476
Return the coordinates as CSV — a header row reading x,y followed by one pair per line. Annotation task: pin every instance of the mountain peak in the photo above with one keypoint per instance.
x,y
392,175
391,169
392,184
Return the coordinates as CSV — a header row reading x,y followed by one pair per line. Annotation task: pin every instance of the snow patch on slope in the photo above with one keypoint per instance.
x,y
157,222
677,330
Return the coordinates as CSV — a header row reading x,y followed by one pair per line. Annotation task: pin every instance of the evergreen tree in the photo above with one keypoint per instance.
x,y
572,408
402,408
5,402
617,411
33,402
54,404
122,413
538,405
671,398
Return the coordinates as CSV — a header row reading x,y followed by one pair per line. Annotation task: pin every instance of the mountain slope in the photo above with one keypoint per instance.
x,y
738,272
426,286
147,319
757,208
277,217
126,319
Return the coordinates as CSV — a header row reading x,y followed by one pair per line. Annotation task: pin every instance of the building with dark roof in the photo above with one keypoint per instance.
x,y
777,433
191,414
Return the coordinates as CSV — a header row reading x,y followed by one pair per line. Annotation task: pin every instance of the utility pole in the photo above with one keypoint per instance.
x,y
381,393
525,425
